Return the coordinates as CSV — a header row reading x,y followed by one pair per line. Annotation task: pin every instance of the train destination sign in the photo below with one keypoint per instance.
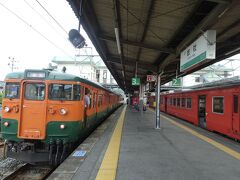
x,y
200,51
135,81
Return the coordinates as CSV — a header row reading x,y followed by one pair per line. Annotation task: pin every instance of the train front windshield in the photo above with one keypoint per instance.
x,y
35,91
12,90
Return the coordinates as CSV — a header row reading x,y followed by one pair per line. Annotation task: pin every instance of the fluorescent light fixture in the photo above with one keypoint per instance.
x,y
118,40
232,51
122,73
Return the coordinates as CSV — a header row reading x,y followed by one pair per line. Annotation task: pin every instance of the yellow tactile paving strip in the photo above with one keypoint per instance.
x,y
220,146
108,168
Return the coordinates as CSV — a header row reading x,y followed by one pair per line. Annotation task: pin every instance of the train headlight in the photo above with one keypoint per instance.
x,y
63,111
6,109
62,126
6,124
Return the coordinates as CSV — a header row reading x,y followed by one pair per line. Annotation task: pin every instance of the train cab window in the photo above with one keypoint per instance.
x,y
66,92
235,103
189,103
12,90
218,105
183,102
35,91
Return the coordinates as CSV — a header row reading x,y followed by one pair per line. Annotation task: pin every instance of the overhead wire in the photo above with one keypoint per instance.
x,y
44,19
34,29
51,16
60,24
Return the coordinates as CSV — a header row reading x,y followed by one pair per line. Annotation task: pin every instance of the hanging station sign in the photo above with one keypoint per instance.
x,y
135,81
177,82
200,51
151,78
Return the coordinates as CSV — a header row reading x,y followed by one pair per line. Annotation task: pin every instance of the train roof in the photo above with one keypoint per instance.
x,y
49,74
225,83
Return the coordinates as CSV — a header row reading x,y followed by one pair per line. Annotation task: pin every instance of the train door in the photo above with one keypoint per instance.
x,y
33,112
94,100
202,111
165,104
235,114
87,102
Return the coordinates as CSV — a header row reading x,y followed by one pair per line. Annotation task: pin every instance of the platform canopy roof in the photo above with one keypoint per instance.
x,y
153,33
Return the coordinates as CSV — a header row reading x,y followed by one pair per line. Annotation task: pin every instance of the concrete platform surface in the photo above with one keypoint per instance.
x,y
169,153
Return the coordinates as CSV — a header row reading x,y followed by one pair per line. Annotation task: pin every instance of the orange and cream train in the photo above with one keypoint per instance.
x,y
44,115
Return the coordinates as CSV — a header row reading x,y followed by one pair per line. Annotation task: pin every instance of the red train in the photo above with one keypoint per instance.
x,y
214,107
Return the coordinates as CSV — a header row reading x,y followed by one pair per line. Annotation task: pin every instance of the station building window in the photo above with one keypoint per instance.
x,y
189,103
183,102
218,105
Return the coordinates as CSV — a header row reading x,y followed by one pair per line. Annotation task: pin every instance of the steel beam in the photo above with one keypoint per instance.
x,y
132,62
137,44
147,20
203,25
118,25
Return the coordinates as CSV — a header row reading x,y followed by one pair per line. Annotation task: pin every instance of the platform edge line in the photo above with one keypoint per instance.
x,y
108,168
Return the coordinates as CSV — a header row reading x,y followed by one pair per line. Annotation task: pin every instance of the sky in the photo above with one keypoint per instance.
x,y
35,50
33,38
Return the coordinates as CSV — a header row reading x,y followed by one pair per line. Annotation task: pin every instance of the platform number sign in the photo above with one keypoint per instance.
x,y
176,82
135,81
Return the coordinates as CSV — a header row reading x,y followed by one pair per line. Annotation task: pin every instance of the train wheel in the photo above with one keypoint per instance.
x,y
5,149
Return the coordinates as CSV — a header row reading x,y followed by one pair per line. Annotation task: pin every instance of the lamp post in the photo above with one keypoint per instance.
x,y
11,63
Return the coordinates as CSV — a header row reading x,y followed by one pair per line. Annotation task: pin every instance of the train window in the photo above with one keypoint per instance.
x,y
189,103
99,100
178,102
67,92
174,101
183,102
235,103
12,90
35,91
218,105
76,92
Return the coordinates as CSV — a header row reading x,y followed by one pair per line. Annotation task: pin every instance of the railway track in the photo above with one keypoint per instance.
x,y
28,172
